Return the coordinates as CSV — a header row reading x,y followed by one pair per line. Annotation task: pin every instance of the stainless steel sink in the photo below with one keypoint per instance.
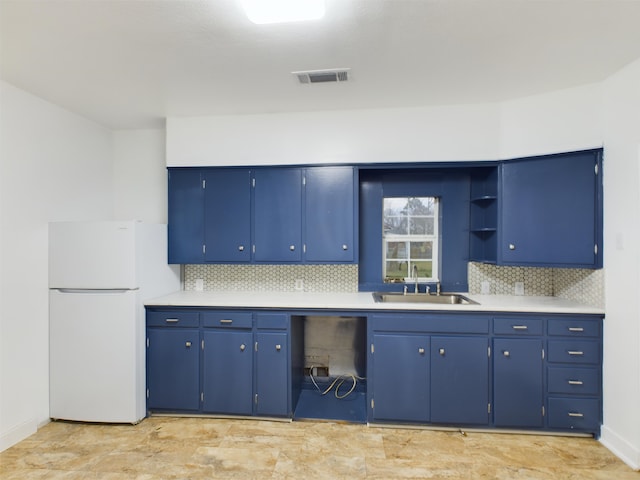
x,y
442,299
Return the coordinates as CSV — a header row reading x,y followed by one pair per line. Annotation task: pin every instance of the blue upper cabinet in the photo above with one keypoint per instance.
x,y
227,224
277,197
550,211
186,215
329,214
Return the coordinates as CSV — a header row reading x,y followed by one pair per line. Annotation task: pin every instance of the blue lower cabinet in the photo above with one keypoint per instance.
x,y
518,382
173,369
272,374
460,380
227,372
400,378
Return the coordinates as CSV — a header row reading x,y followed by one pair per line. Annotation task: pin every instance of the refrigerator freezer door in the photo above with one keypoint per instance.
x,y
96,357
92,255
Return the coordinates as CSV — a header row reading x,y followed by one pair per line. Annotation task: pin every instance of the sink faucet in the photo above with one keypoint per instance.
x,y
415,276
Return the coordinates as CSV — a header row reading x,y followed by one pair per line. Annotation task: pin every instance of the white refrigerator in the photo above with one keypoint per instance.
x,y
100,273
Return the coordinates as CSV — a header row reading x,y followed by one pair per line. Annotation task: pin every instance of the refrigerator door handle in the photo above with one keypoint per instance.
x,y
94,291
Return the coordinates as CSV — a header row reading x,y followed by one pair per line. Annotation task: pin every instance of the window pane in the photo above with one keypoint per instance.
x,y
420,206
395,206
397,269
424,268
421,250
421,226
395,225
397,250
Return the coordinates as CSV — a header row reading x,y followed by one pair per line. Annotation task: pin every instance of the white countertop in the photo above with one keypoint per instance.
x,y
365,301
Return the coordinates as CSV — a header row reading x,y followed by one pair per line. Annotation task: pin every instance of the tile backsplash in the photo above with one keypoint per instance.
x,y
586,286
273,278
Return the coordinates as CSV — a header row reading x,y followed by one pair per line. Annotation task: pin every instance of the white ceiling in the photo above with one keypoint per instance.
x,y
132,63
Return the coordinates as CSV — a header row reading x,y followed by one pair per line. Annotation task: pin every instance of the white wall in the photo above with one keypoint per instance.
x,y
140,175
54,165
621,432
560,121
467,132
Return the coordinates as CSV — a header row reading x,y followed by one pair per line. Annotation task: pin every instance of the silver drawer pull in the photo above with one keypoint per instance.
x,y
344,247
519,327
241,248
575,382
512,246
292,247
576,329
226,321
441,351
278,348
187,344
506,353
421,351
576,414
171,320
242,347
576,353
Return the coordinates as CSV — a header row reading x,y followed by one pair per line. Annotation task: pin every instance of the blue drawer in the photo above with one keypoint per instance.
x,y
517,326
172,318
574,327
574,413
428,323
227,319
273,321
574,351
571,380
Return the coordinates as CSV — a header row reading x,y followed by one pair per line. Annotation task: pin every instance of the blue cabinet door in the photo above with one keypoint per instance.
x,y
185,215
272,374
173,369
459,380
549,211
400,377
227,228
278,215
329,214
517,382
227,372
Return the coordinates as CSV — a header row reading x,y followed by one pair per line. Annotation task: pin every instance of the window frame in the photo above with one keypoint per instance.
x,y
408,238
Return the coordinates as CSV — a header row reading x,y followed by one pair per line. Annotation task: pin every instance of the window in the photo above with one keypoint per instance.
x,y
410,238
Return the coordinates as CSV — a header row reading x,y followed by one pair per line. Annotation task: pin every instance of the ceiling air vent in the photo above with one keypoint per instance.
x,y
323,76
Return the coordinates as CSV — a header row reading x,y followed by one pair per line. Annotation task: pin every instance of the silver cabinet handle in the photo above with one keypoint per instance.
x,y
512,246
171,320
441,351
242,347
576,414
421,351
292,247
576,353
278,348
519,327
576,329
344,247
241,248
506,353
574,382
187,344
223,321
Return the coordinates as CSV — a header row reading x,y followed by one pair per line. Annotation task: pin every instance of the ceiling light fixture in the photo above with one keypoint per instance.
x,y
280,11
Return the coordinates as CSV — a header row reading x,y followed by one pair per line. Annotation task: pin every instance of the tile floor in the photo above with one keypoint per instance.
x,y
205,448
